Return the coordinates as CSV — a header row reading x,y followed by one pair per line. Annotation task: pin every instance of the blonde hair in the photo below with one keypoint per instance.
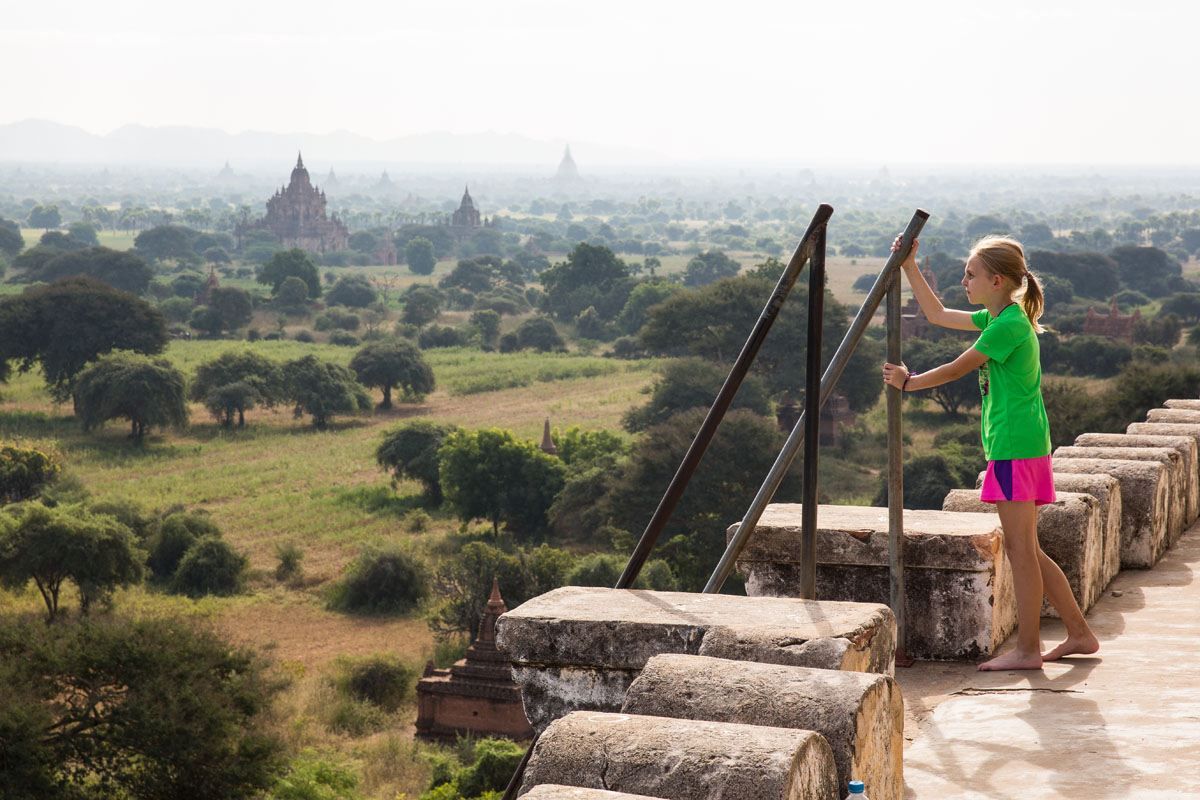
x,y
1004,256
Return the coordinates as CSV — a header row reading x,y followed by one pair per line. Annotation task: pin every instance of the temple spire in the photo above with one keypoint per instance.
x,y
299,160
547,442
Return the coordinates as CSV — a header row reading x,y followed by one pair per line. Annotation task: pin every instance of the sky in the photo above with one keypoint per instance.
x,y
940,82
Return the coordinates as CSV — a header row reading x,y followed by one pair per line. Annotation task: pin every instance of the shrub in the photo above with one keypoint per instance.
x,y
290,557
417,521
389,581
441,336
175,536
26,471
380,680
344,339
354,717
305,336
603,569
210,566
311,776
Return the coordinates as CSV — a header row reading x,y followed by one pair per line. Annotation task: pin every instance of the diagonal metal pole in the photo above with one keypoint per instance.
x,y
895,483
833,373
712,421
812,415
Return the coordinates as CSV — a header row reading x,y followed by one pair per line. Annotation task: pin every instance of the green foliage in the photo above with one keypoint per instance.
x,y
393,364
149,708
176,309
492,475
495,762
922,355
709,266
294,263
577,446
591,276
63,326
322,389
381,680
26,471
336,318
604,569
1185,305
344,339
475,275
119,269
1162,330
390,581
231,307
927,480
1147,269
44,216
11,241
290,566
436,336
292,296
147,392
643,297
354,291
419,256
314,776
1091,274
236,381
164,242
688,383
175,535
210,566
50,546
411,451
487,323
422,304
539,333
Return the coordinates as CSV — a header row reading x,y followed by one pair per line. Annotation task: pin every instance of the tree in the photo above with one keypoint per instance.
x,y
1147,269
166,242
153,708
1091,274
411,451
475,275
292,295
927,481
44,217
978,227
322,389
354,291
147,392
922,355
63,326
121,270
709,266
391,581
490,474
422,304
591,276
688,383
84,233
1163,330
11,241
643,297
236,381
487,323
540,334
393,363
294,263
419,256
1185,305
25,472
50,546
210,566
232,306
171,541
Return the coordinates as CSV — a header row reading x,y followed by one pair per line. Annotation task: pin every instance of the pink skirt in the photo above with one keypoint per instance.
x,y
1019,480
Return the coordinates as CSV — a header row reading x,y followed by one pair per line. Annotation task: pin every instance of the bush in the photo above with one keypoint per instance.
x,y
311,776
178,532
344,339
290,557
441,336
604,569
382,582
210,566
305,336
380,680
26,471
336,318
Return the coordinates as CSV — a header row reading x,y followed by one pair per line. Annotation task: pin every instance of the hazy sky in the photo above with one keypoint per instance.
x,y
1028,81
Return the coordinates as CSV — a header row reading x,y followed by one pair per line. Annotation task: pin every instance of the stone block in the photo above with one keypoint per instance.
x,y
1177,492
1184,415
1186,405
958,594
1186,445
1070,531
861,715
1145,486
680,759
556,791
579,648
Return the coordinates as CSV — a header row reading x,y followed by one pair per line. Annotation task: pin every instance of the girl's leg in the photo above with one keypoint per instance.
x,y
1019,520
1080,639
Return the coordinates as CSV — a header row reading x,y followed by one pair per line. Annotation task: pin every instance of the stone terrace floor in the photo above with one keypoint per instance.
x,y
1124,723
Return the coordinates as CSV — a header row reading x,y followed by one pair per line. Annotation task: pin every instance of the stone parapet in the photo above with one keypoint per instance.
x,y
556,791
1185,445
958,592
1070,530
683,759
1172,461
1184,415
861,715
579,648
1145,503
1183,404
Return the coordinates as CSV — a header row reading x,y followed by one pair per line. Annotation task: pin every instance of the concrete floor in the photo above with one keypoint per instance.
x,y
1124,723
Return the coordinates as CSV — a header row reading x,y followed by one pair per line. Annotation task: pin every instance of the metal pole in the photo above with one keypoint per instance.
x,y
833,373
895,483
812,413
715,414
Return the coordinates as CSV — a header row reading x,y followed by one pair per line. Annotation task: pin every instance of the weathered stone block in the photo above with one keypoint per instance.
x,y
683,759
1177,492
556,791
958,595
1185,445
1184,404
1145,487
1184,415
861,715
579,647
1070,530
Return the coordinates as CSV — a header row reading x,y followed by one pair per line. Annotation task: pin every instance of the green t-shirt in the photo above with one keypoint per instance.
x,y
1010,381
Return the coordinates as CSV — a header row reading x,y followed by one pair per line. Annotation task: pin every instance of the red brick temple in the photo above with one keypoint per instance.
x,y
476,696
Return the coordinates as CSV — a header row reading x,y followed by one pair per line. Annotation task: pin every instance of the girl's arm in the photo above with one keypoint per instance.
x,y
894,375
929,302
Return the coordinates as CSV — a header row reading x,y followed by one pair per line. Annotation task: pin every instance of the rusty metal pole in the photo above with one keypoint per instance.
x,y
895,483
812,413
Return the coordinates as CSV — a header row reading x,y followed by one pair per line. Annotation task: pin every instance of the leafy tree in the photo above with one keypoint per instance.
x,y
147,392
604,569
1163,330
591,276
709,266
539,334
153,708
44,217
354,291
441,336
577,446
120,270
1056,290
176,309
389,581
84,233
322,389
490,474
187,284
294,263
475,275
11,241
25,472
1184,305
65,325
927,481
922,355
232,306
60,241
390,364
978,227
172,539
643,297
1095,356
292,295
688,383
419,256
50,546
1140,387
422,304
487,323
1091,274
411,451
216,255
363,242
236,381
164,242
1147,269
210,566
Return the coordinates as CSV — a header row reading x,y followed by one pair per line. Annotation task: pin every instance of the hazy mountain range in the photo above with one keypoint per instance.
x,y
42,141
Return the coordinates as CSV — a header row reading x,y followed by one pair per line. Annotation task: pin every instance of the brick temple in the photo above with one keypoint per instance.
x,y
296,216
476,696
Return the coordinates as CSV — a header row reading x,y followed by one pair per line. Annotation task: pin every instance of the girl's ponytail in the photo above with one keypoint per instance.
x,y
1034,302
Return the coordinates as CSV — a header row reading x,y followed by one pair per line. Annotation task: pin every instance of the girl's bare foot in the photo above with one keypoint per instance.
x,y
1012,660
1074,645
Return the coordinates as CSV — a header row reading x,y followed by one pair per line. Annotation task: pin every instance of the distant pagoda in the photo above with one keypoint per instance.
x,y
467,215
568,172
296,217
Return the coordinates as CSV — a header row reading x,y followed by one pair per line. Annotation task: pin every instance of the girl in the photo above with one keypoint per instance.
x,y
1016,434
